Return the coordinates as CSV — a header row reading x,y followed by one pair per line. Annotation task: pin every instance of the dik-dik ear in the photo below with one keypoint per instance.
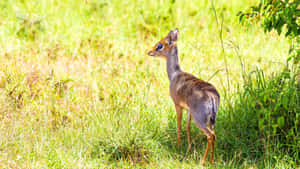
x,y
173,36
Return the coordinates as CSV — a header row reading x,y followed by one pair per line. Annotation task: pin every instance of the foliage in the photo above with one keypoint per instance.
x,y
275,101
264,120
278,99
278,15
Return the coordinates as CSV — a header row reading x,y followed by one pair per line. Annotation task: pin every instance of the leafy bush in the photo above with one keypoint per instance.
x,y
278,15
264,119
276,101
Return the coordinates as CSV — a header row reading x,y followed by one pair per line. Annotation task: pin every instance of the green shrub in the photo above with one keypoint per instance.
x,y
275,100
280,16
265,117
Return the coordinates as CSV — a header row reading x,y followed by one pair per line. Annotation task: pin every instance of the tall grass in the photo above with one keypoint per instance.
x,y
264,119
77,89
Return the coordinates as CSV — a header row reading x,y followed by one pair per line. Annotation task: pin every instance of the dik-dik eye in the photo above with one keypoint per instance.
x,y
159,47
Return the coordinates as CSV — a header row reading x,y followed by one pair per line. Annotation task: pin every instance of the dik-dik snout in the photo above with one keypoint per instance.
x,y
164,46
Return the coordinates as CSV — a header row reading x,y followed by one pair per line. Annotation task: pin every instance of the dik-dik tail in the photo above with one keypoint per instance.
x,y
214,109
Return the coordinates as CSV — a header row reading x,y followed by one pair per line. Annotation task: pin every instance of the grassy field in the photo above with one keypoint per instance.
x,y
77,89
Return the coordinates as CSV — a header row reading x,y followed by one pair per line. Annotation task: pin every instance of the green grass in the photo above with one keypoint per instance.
x,y
77,89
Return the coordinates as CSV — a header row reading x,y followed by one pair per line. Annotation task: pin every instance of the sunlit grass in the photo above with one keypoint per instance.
x,y
77,89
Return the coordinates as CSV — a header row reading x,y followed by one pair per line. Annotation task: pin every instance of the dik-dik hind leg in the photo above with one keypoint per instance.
x,y
200,121
201,125
212,130
188,122
210,143
179,119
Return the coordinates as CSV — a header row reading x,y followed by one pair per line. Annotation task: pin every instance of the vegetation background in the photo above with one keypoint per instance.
x,y
77,89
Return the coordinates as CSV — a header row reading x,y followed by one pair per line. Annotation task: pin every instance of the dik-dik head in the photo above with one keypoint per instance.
x,y
164,46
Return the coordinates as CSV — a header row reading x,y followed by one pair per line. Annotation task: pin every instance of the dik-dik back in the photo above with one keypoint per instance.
x,y
196,95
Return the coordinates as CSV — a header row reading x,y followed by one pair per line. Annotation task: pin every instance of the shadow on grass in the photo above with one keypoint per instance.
x,y
168,139
233,138
253,129
241,139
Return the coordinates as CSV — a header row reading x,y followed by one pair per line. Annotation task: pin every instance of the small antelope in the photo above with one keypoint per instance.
x,y
199,98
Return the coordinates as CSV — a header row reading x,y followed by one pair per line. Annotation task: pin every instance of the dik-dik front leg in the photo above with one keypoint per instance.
x,y
179,119
188,124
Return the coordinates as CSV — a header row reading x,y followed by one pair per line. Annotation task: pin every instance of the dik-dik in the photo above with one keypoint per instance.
x,y
199,98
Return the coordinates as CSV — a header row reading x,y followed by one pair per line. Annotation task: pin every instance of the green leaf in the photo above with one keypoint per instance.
x,y
261,124
274,128
280,121
285,102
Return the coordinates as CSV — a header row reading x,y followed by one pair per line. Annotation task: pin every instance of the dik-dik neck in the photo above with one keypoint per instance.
x,y
172,63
